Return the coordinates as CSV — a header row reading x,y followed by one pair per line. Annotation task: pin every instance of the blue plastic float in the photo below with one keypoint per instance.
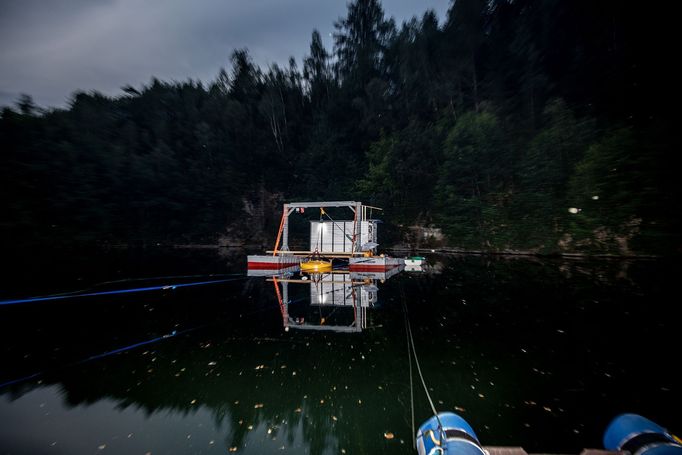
x,y
640,436
449,433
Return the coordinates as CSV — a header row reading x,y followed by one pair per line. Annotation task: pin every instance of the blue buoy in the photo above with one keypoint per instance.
x,y
640,436
447,434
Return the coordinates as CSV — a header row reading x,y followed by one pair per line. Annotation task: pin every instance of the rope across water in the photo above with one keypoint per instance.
x,y
410,340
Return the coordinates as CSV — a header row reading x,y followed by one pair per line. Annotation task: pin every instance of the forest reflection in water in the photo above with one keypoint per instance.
x,y
538,353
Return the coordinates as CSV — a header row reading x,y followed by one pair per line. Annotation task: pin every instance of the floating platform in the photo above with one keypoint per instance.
x,y
268,262
353,239
415,261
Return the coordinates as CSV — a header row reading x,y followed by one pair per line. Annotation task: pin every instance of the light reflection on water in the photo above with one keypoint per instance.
x,y
535,353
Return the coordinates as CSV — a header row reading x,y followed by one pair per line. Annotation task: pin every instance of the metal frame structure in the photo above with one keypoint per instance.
x,y
359,211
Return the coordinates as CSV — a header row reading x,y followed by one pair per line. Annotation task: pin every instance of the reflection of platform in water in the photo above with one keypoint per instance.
x,y
381,275
339,300
339,289
270,272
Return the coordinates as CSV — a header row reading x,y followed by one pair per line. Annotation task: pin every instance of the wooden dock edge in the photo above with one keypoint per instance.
x,y
500,450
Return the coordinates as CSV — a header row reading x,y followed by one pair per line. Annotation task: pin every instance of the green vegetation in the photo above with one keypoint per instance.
x,y
494,126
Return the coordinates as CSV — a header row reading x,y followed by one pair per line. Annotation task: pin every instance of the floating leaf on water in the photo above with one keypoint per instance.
x,y
480,395
460,409
211,442
102,447
334,418
298,410
389,435
211,364
258,405
321,401
232,449
269,430
193,401
250,427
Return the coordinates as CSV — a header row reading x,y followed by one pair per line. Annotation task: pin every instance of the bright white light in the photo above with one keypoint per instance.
x,y
574,210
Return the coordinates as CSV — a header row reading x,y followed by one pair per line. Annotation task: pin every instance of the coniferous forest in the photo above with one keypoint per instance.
x,y
535,125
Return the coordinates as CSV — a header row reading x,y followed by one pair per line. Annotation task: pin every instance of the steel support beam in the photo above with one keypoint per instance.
x,y
305,205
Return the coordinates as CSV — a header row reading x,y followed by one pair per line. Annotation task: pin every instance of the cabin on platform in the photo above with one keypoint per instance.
x,y
330,237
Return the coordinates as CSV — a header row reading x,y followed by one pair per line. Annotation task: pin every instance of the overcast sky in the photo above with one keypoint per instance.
x,y
50,48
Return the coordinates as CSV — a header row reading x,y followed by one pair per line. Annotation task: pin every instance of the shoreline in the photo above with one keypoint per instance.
x,y
463,251
397,250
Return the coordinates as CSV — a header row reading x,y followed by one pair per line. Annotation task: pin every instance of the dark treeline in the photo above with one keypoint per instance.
x,y
529,124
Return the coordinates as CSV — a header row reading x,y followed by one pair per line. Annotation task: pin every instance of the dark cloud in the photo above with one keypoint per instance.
x,y
51,48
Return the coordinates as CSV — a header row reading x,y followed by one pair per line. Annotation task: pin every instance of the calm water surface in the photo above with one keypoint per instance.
x,y
538,353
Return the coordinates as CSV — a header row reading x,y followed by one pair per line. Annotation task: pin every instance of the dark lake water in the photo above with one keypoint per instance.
x,y
200,358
